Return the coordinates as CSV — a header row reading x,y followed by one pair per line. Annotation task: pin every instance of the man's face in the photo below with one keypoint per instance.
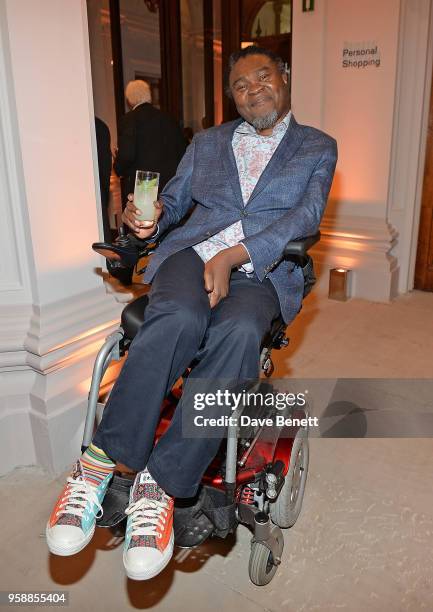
x,y
259,91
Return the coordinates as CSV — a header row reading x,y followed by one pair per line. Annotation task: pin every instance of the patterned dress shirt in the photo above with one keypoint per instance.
x,y
252,154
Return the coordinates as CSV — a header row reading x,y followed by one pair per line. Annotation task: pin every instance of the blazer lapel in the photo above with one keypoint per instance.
x,y
229,162
288,146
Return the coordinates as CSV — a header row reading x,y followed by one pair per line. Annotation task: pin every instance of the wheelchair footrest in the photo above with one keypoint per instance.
x,y
208,515
115,502
221,514
191,527
194,520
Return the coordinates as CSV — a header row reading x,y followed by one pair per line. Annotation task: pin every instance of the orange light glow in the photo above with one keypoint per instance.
x,y
86,334
107,382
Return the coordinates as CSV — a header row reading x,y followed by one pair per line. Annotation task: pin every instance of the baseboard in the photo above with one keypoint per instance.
x,y
362,245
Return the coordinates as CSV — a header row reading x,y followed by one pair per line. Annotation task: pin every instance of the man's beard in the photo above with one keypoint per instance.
x,y
265,122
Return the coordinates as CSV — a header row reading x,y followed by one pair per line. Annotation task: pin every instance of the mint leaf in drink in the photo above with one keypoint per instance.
x,y
150,184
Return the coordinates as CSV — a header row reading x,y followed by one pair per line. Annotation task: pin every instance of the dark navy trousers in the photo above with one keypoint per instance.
x,y
179,326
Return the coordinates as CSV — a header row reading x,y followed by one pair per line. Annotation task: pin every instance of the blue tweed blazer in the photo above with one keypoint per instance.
x,y
287,203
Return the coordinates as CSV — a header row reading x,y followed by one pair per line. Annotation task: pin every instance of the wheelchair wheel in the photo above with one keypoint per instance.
x,y
261,567
286,508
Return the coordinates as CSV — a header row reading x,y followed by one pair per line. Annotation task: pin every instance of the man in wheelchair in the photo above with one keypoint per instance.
x,y
218,283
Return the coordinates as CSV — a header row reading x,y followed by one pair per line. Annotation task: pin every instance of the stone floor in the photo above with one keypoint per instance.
x,y
363,541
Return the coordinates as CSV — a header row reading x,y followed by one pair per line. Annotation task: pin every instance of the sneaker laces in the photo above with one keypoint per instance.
x,y
77,494
147,514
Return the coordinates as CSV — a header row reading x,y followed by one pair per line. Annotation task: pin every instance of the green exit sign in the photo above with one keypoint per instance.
x,y
307,5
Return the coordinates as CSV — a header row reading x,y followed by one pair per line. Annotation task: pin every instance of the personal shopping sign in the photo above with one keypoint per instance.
x,y
360,55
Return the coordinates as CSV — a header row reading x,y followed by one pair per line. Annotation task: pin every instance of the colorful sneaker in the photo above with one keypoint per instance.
x,y
149,537
72,522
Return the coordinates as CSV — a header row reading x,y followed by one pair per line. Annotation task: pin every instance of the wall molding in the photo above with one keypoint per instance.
x,y
56,335
42,416
14,325
363,245
58,324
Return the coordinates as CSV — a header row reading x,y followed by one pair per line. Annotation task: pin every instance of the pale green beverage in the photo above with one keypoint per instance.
x,y
146,194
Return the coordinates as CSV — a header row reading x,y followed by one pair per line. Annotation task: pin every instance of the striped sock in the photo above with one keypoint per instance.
x,y
96,465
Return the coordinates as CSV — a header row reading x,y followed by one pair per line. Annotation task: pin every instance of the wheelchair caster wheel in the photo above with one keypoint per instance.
x,y
261,567
286,508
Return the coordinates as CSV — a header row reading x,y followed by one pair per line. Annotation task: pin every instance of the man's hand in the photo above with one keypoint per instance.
x,y
218,269
141,229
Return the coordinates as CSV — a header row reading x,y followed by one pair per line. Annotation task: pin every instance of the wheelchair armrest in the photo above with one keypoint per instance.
x,y
297,251
299,248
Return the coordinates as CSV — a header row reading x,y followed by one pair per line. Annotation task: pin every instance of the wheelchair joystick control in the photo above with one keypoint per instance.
x,y
122,253
122,238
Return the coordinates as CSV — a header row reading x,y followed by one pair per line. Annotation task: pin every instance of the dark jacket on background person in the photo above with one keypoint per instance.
x,y
104,165
148,139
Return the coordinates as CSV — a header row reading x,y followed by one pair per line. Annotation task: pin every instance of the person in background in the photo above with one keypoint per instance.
x,y
103,142
105,162
148,139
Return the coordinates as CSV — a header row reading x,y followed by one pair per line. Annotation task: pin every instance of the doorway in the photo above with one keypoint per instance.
x,y
182,48
424,258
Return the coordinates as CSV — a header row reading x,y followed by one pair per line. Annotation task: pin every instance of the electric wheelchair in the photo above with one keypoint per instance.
x,y
259,474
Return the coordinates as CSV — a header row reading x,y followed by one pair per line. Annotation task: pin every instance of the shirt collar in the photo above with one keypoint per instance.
x,y
246,128
139,104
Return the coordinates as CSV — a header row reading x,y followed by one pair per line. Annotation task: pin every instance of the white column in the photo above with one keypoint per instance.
x,y
55,311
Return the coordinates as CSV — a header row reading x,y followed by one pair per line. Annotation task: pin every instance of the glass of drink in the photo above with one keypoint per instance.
x,y
146,194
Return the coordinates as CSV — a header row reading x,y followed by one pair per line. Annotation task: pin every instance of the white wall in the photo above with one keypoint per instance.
x,y
358,106
355,105
49,62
